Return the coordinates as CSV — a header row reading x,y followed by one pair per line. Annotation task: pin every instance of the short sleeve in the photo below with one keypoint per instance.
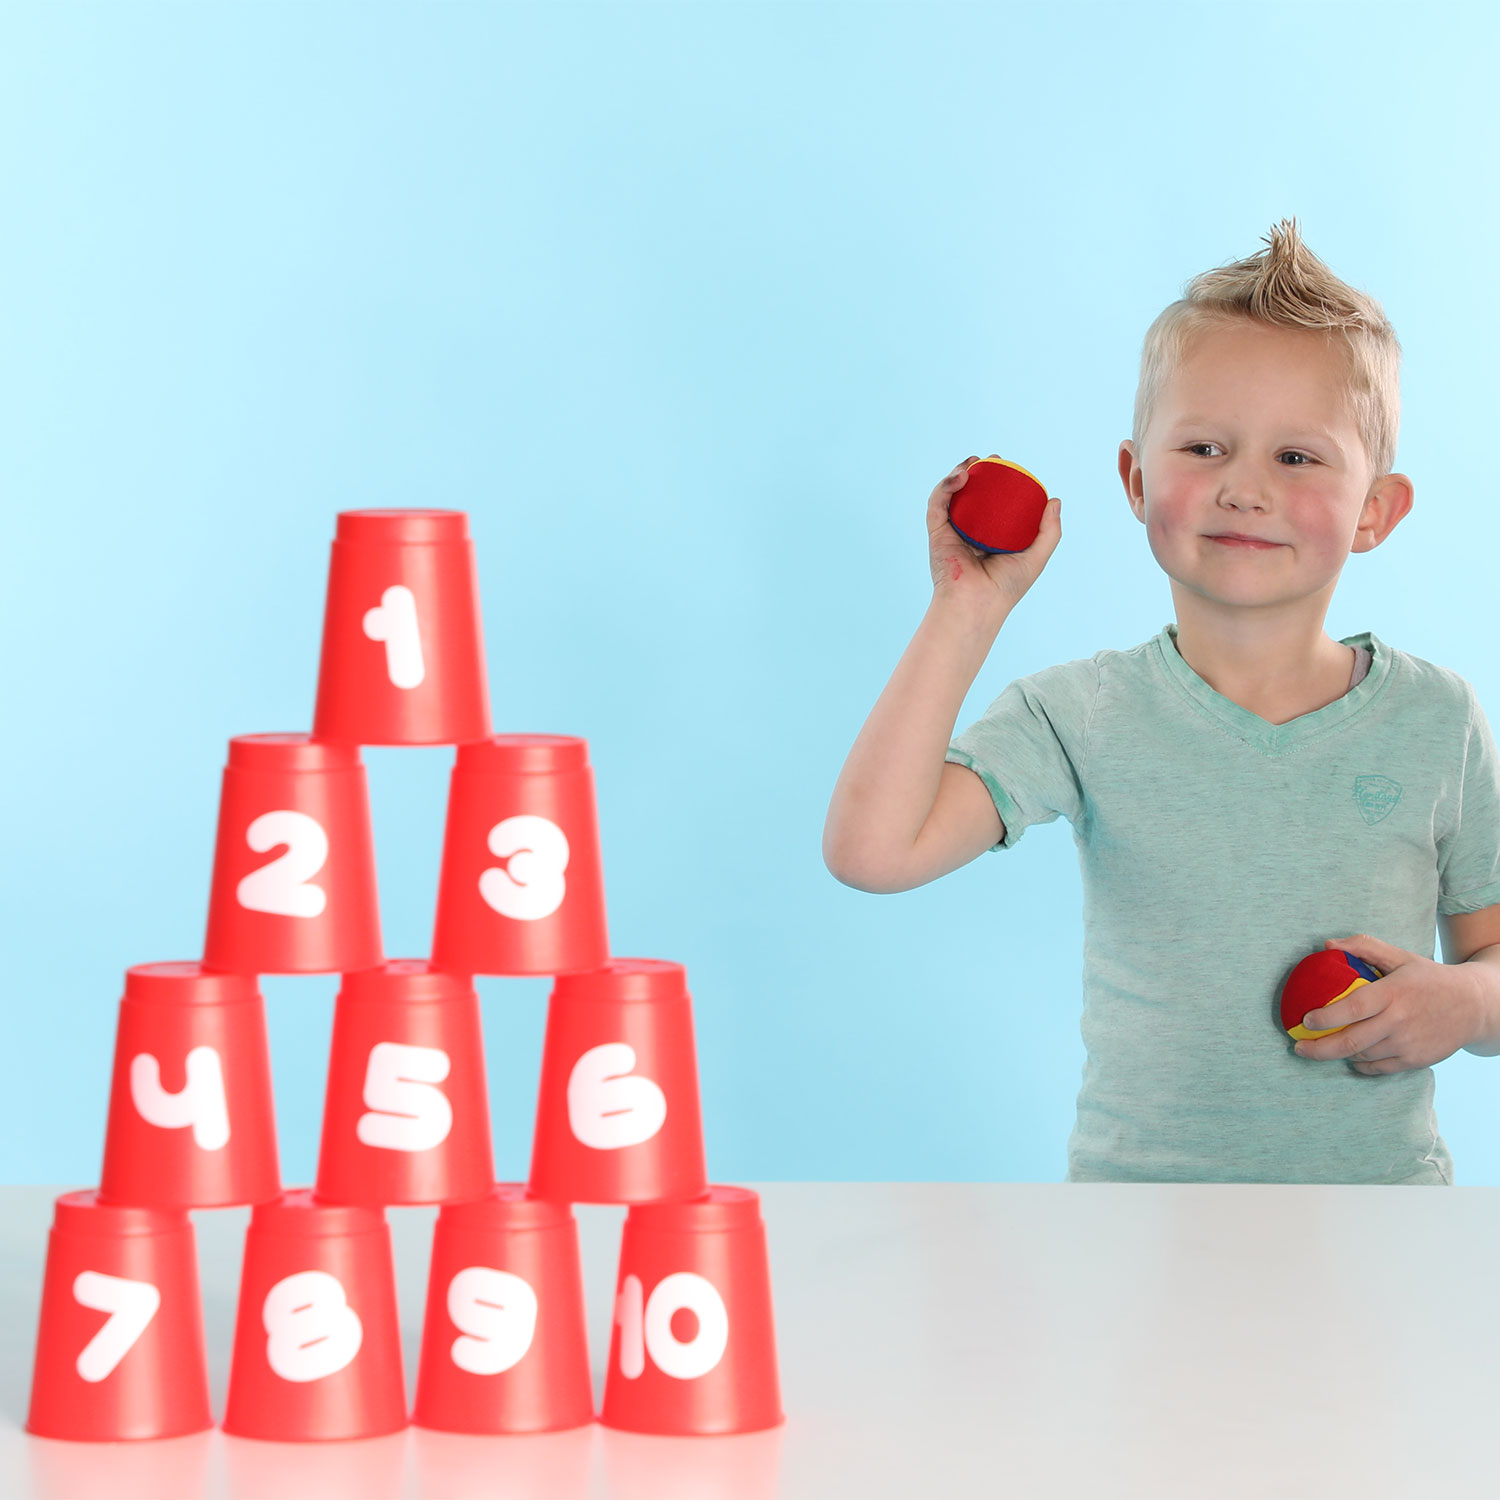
x,y
1029,747
1469,854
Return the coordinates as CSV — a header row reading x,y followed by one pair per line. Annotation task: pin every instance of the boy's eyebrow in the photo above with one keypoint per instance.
x,y
1195,419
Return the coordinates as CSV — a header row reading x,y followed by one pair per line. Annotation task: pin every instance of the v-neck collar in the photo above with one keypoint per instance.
x,y
1275,739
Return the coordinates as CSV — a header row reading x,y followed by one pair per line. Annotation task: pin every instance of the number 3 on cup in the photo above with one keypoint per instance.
x,y
530,885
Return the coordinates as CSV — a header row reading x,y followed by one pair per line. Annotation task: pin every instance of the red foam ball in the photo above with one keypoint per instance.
x,y
999,508
1319,980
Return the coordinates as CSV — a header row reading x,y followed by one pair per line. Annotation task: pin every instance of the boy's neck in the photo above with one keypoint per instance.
x,y
1277,668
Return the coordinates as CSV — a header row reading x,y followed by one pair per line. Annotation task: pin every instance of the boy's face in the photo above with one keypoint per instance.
x,y
1252,434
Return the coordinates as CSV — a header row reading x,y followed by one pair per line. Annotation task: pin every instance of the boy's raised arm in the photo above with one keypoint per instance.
x,y
901,815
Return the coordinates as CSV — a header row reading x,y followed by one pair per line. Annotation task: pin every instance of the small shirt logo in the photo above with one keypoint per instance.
x,y
1375,796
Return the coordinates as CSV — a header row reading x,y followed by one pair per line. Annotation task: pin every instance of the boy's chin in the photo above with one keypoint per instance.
x,y
1225,595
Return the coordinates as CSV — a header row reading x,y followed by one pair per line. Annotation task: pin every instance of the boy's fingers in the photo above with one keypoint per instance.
x,y
1051,518
1367,1039
1381,1051
1376,1069
1363,1003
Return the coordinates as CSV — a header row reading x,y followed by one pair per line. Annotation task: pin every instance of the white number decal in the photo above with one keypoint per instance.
x,y
131,1305
497,1312
651,1332
608,1109
531,885
394,621
280,887
629,1316
407,1112
699,1354
200,1103
311,1329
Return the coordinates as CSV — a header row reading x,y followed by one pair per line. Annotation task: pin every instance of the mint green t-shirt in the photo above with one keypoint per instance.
x,y
1216,851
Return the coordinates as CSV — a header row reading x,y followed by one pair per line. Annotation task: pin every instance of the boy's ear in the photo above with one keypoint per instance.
x,y
1130,477
1390,499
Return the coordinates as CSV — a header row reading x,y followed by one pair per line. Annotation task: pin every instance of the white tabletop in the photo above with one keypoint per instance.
x,y
948,1340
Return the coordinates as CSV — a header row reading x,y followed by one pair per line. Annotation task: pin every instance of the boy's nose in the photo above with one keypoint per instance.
x,y
1243,498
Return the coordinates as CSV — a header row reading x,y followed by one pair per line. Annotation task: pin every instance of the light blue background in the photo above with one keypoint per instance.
x,y
689,306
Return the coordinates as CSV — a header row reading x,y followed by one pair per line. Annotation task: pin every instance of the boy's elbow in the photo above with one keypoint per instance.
x,y
862,876
838,860
857,866
840,868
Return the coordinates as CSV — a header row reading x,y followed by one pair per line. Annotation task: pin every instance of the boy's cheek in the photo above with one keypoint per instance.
x,y
1177,509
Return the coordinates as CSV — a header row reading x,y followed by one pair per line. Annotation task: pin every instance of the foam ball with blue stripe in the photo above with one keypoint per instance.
x,y
1319,980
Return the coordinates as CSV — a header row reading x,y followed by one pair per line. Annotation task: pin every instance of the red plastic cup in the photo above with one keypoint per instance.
x,y
617,1111
191,1119
406,1118
119,1347
693,1349
522,883
505,1342
403,650
311,908
317,1345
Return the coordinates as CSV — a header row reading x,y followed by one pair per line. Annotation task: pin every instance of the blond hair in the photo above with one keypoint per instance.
x,y
1285,286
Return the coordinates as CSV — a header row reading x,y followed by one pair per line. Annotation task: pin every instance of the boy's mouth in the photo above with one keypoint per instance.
x,y
1234,539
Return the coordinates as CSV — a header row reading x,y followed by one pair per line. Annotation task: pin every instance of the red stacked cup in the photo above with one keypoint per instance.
x,y
119,1348
403,649
504,1343
617,1113
191,1119
406,1118
694,1349
311,909
317,1345
317,1353
522,884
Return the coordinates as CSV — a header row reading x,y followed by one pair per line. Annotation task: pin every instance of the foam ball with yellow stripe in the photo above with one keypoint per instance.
x,y
1000,507
1319,980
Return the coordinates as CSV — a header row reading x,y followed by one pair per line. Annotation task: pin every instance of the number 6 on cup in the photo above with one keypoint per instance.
x,y
618,1118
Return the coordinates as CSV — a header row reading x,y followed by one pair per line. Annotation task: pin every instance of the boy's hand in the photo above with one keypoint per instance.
x,y
1417,1013
989,583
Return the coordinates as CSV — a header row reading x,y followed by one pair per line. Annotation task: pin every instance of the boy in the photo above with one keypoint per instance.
x,y
1241,787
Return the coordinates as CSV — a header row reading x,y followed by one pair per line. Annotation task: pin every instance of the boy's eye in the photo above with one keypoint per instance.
x,y
1290,453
